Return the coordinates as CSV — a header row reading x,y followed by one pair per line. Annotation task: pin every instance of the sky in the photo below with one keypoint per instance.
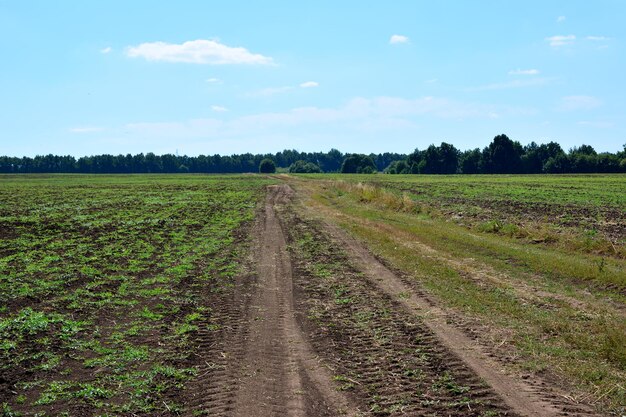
x,y
207,77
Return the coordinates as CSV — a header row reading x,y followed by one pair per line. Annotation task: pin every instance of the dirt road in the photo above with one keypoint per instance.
x,y
280,374
260,364
353,340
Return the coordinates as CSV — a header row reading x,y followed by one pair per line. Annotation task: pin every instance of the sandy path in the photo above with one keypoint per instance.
x,y
280,376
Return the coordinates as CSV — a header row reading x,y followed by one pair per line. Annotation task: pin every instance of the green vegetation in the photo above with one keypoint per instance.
x,y
303,167
267,166
358,164
101,282
579,213
505,156
501,156
109,284
534,263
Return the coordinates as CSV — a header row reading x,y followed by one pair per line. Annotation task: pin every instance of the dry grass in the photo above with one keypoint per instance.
x,y
535,292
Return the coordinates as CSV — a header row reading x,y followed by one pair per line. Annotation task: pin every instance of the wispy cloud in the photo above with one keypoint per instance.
x,y
378,112
106,50
532,82
200,51
572,103
219,109
560,19
269,91
561,40
396,39
319,127
272,91
431,81
598,38
524,72
309,84
86,129
214,81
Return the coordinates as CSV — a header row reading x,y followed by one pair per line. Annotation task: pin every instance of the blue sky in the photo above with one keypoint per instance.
x,y
87,77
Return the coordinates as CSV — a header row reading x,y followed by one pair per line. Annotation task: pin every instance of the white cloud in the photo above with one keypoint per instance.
x,y
532,82
367,119
214,81
269,91
86,129
357,113
395,39
272,91
572,103
106,50
200,51
598,38
561,40
560,19
524,72
309,84
219,109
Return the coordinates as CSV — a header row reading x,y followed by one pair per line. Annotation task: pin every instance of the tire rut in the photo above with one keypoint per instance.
x,y
518,396
388,360
213,390
279,375
524,398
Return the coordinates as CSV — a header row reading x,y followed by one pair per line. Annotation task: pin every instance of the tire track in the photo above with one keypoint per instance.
x,y
279,376
522,398
387,359
213,390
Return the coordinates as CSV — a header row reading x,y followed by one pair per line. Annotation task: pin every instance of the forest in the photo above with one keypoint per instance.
x,y
501,156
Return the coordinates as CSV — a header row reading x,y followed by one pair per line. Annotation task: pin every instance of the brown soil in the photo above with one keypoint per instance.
x,y
262,365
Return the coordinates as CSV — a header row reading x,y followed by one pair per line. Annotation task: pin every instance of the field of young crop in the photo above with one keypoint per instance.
x,y
103,279
312,295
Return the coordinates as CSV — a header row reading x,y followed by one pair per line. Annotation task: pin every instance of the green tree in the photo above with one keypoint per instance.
x,y
301,166
267,166
503,156
358,164
398,167
557,165
535,156
470,161
443,159
583,150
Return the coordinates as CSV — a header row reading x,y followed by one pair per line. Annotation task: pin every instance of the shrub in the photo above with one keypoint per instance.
x,y
304,167
358,164
267,166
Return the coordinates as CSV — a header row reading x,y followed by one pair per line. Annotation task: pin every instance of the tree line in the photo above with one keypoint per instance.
x,y
501,156
156,164
505,156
